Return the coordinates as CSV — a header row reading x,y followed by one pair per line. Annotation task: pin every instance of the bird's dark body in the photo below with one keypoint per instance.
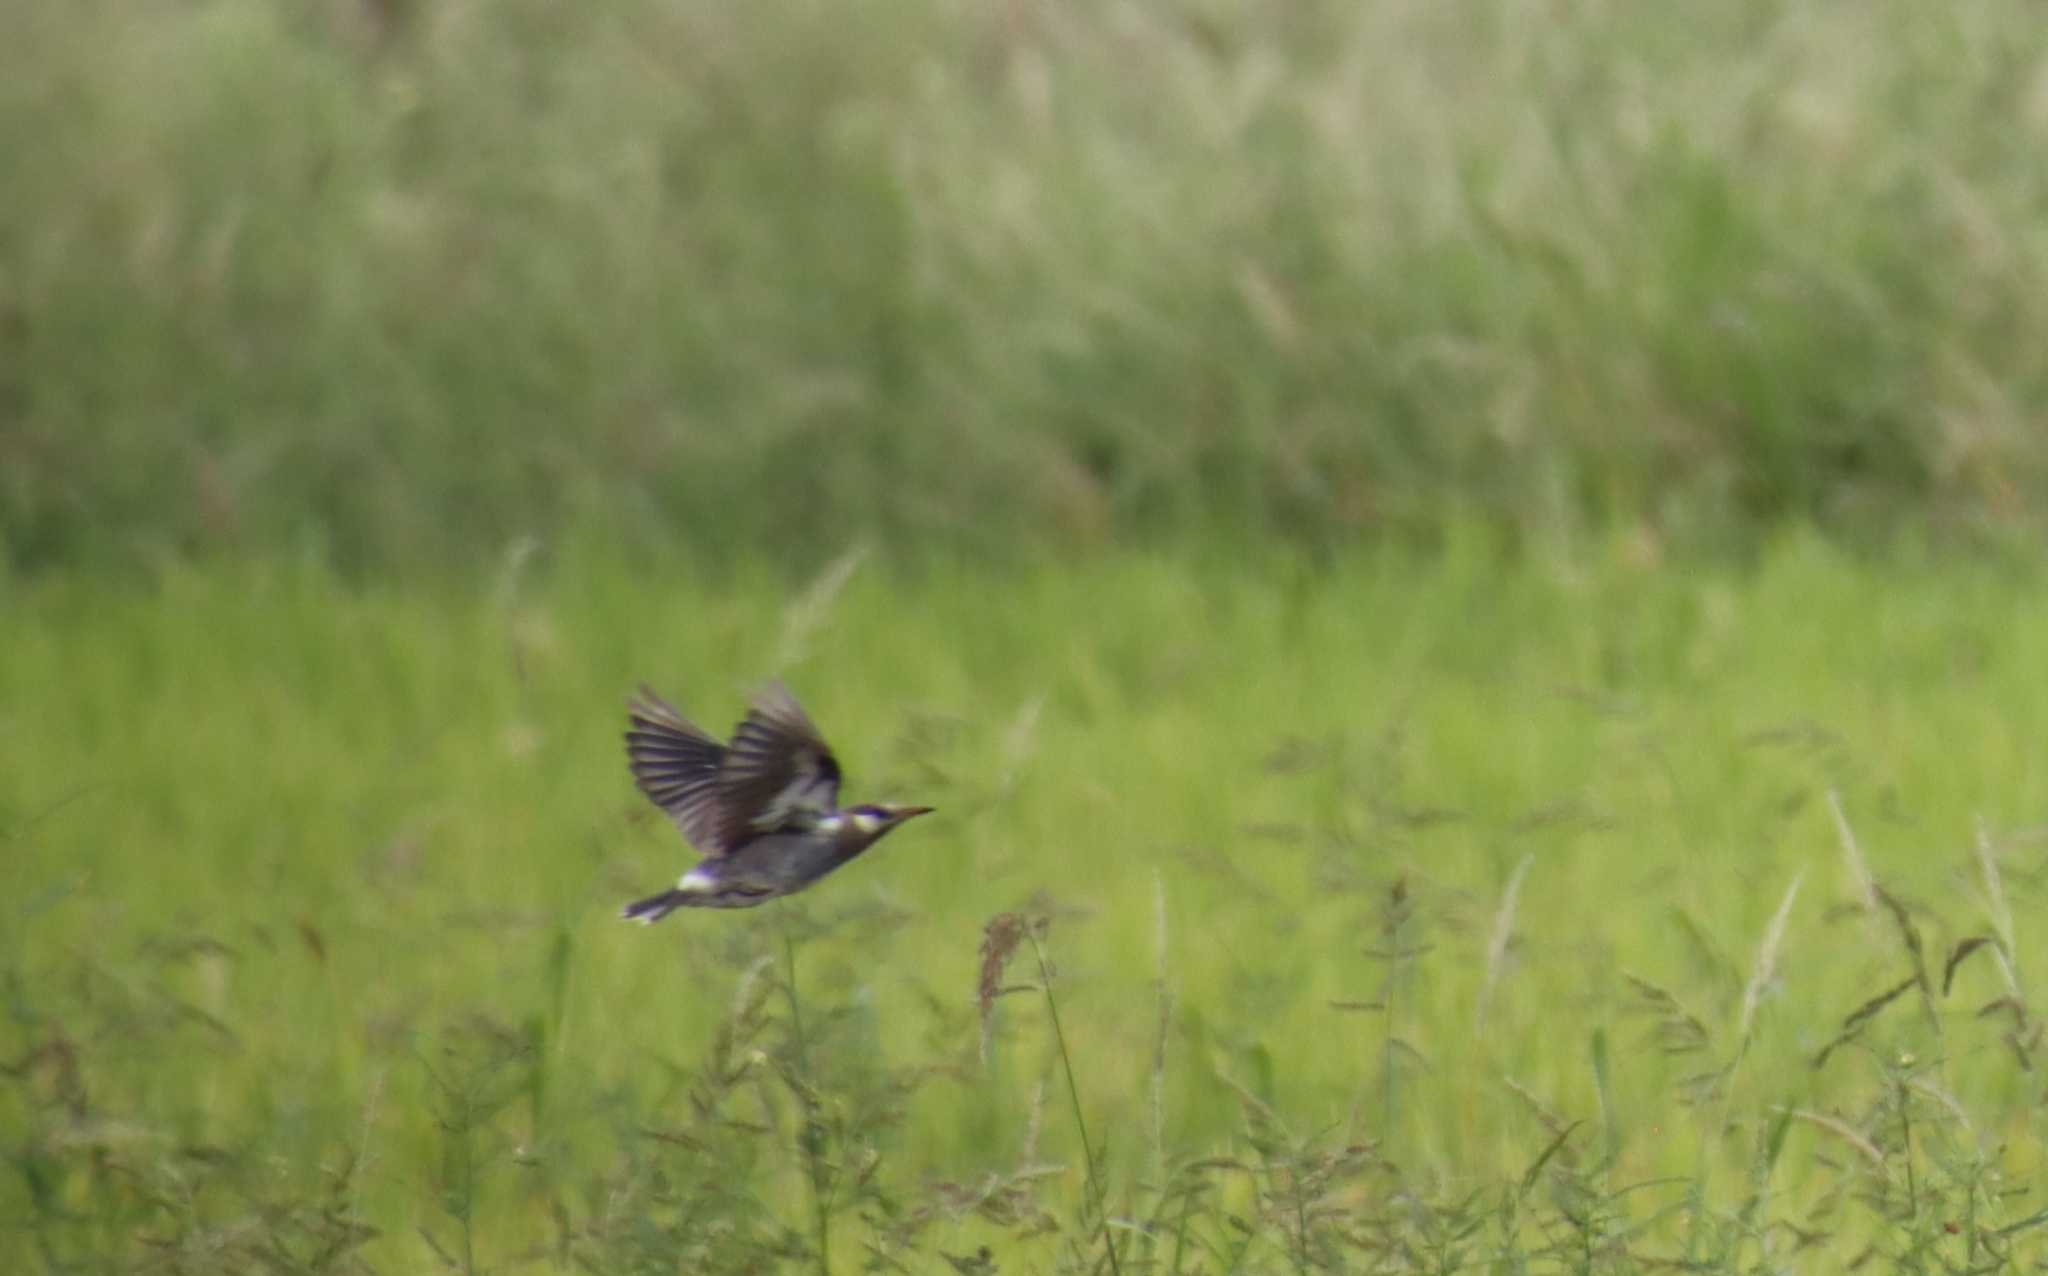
x,y
763,809
769,866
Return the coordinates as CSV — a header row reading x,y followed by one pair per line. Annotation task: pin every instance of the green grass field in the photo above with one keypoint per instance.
x,y
1463,574
1415,915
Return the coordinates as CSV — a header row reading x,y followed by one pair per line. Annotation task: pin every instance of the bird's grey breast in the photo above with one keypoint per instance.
x,y
788,856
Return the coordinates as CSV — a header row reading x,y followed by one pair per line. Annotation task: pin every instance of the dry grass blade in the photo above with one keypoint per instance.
x,y
1555,1146
1847,1134
1957,956
1852,1025
1550,1119
1909,935
1678,1030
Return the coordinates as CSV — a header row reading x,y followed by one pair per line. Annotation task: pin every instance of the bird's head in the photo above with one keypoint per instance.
x,y
872,819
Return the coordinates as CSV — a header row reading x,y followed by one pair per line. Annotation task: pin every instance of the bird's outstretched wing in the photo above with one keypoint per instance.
x,y
777,772
677,766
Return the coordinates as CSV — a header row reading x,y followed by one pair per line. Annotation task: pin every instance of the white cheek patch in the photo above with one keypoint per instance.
x,y
696,882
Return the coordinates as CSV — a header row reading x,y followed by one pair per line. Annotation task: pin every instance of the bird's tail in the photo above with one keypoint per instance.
x,y
655,907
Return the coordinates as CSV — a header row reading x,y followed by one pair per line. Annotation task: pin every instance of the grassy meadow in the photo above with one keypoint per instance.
x,y
1463,574
1462,914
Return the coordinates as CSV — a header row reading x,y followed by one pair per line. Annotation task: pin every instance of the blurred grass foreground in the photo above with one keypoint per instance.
x,y
382,281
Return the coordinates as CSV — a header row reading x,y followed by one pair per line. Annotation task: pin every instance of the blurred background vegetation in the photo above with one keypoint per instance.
x,y
389,283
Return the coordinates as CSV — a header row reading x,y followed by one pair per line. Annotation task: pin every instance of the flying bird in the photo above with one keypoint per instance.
x,y
763,810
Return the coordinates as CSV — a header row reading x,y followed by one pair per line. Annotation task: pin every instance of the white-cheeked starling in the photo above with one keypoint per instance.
x,y
763,810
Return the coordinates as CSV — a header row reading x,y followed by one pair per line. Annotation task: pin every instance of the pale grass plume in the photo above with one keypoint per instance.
x,y
1766,966
1034,1122
747,991
1852,855
808,611
529,638
1497,943
2000,911
1020,742
512,570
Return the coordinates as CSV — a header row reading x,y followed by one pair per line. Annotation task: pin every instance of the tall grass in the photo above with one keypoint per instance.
x,y
391,284
309,957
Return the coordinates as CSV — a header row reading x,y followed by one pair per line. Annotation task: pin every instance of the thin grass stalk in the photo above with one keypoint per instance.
x,y
1165,1009
812,1135
1095,1194
1394,924
1906,1149
1762,971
